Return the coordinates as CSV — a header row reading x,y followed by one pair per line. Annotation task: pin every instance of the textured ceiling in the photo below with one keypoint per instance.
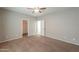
x,y
26,11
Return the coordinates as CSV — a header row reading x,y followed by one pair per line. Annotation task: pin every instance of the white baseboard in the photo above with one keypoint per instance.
x,y
61,38
48,35
11,39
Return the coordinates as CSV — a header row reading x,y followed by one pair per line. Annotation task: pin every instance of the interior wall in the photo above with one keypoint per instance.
x,y
32,26
63,25
11,23
2,36
0,28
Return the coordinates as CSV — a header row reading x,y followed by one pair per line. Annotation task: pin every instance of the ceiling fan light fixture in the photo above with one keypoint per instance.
x,y
36,10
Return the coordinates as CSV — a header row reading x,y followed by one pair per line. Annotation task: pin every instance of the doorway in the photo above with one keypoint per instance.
x,y
40,27
25,28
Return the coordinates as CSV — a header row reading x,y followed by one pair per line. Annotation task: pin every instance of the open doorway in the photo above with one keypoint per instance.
x,y
40,27
25,28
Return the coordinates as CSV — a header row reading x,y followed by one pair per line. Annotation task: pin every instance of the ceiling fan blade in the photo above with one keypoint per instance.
x,y
42,8
40,11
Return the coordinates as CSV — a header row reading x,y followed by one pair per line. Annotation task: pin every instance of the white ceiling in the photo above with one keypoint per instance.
x,y
26,11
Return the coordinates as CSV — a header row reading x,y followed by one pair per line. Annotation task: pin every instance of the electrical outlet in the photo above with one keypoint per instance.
x,y
74,38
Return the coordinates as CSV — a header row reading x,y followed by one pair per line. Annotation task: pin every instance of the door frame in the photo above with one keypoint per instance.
x,y
27,27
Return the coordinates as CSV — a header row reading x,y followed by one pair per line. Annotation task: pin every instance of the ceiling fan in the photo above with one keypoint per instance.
x,y
37,9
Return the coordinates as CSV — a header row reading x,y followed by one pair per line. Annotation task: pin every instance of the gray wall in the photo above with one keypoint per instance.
x,y
63,25
11,25
0,27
